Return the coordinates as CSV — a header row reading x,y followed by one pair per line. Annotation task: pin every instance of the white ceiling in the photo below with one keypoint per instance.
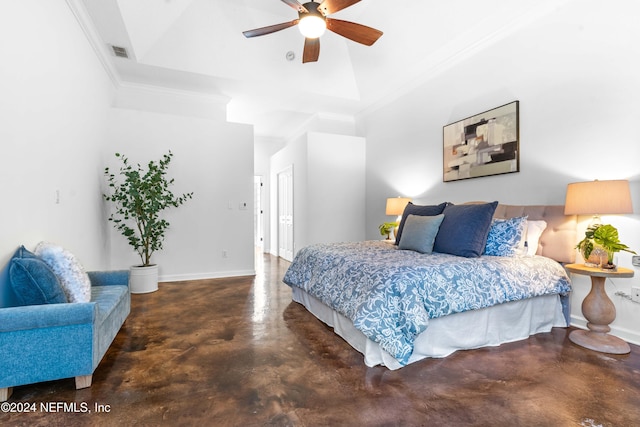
x,y
198,46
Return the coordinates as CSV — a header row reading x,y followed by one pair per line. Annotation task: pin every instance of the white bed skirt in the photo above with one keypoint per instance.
x,y
508,322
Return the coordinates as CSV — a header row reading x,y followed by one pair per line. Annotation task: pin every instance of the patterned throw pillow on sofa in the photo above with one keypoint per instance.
x,y
67,268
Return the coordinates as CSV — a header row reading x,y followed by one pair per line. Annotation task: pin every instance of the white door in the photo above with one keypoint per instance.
x,y
258,215
285,214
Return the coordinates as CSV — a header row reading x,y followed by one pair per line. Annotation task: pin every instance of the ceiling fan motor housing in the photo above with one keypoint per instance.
x,y
312,10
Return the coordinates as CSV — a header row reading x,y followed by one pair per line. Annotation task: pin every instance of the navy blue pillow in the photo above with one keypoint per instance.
x,y
419,210
32,280
464,230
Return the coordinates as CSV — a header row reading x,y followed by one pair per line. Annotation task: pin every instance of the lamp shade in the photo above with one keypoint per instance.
x,y
396,205
598,198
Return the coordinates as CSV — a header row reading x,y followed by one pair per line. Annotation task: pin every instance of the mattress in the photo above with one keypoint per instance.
x,y
392,295
491,326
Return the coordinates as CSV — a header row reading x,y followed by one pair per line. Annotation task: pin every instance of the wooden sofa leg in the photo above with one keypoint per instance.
x,y
5,393
83,381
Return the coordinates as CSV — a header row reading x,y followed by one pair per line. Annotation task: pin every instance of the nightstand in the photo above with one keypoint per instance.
x,y
599,311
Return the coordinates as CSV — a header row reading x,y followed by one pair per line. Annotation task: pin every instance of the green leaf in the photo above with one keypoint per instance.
x,y
602,235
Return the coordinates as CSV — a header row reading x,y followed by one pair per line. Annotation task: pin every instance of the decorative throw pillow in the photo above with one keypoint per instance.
x,y
32,281
419,210
74,280
505,236
420,233
534,231
464,230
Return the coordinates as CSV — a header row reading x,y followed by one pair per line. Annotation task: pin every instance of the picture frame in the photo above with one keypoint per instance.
x,y
485,144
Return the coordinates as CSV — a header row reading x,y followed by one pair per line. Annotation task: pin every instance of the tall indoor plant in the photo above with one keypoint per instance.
x,y
140,196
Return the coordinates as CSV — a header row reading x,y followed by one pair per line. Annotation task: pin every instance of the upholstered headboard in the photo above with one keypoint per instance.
x,y
559,239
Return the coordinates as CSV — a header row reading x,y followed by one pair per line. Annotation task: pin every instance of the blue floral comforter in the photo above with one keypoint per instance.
x,y
390,294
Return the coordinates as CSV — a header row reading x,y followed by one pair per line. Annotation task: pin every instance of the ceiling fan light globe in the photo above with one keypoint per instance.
x,y
312,26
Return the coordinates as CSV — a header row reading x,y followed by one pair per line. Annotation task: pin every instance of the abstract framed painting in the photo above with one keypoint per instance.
x,y
485,144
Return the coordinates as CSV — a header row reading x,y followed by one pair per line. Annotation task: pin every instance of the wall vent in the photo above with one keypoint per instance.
x,y
120,52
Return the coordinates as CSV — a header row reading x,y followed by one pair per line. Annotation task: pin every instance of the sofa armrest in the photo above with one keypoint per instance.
x,y
46,315
109,278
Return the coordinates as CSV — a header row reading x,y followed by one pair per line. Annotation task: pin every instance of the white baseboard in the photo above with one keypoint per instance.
x,y
201,276
632,337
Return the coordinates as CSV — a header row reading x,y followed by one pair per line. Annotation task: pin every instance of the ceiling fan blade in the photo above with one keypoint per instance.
x,y
270,29
327,7
311,50
356,32
296,5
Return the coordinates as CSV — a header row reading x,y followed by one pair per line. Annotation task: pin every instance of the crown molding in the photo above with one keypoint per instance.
x,y
105,57
99,47
211,98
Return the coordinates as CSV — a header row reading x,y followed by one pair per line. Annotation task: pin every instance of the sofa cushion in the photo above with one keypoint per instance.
x,y
113,305
73,278
32,281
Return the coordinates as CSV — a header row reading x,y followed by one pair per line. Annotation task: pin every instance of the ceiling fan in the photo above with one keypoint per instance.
x,y
312,22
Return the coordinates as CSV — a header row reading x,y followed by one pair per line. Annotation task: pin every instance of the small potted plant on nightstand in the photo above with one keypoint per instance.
x,y
386,228
139,199
603,239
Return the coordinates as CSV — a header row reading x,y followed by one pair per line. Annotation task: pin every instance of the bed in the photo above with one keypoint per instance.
x,y
398,306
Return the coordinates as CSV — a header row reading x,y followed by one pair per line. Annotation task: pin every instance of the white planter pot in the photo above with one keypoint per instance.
x,y
143,280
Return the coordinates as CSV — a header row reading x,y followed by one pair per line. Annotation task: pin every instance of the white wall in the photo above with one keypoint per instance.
x,y
54,101
265,147
575,75
335,188
328,188
295,155
214,159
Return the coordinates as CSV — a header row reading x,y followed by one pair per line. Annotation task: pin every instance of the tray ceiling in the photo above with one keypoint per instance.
x,y
198,46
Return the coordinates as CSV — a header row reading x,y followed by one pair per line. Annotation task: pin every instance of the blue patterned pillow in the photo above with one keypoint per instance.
x,y
505,236
420,233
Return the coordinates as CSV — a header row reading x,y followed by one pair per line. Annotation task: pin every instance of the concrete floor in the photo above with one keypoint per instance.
x,y
238,352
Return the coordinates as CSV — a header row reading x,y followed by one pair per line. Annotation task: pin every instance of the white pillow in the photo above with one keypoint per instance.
x,y
534,231
74,280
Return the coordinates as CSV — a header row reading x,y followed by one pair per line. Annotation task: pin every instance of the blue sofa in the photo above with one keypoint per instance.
x,y
54,341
